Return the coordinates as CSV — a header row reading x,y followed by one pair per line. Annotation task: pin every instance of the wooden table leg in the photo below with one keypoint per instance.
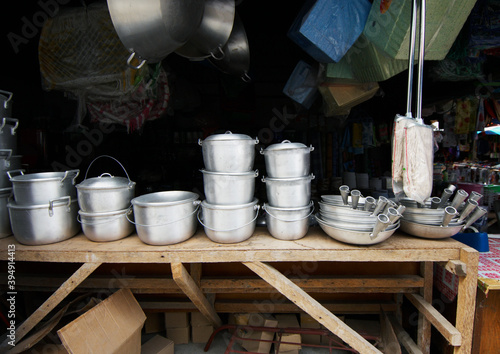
x,y
55,299
307,303
424,326
466,299
188,286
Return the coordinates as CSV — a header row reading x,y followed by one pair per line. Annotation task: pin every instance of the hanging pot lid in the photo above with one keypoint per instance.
x,y
106,181
228,136
285,145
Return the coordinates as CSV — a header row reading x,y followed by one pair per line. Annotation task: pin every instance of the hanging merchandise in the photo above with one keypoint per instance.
x,y
480,116
412,149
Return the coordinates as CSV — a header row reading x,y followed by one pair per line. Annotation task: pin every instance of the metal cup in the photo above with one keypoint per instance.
x,y
355,194
344,192
474,217
447,192
393,215
459,198
469,207
381,224
435,202
381,203
475,196
369,203
449,213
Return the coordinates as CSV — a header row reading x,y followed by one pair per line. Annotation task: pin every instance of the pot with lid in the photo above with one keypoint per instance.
x,y
105,193
228,152
287,159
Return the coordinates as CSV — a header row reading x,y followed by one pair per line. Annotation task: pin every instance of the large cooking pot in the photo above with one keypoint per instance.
x,y
236,60
288,223
152,29
39,188
229,188
8,137
228,152
105,193
287,159
105,227
5,195
213,32
5,103
288,192
53,221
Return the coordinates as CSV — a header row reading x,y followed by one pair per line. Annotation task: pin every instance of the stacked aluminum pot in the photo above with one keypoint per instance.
x,y
229,211
288,189
105,205
45,206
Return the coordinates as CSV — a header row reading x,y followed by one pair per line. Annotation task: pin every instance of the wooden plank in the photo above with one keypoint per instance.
x,y
424,326
60,294
455,266
466,299
188,286
195,271
403,337
316,246
389,339
449,332
311,306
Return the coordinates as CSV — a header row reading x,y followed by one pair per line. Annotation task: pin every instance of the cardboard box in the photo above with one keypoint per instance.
x,y
180,335
176,319
258,320
198,319
307,321
158,345
289,321
201,334
295,351
155,322
113,326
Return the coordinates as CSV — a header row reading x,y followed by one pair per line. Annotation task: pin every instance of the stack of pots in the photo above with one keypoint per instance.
x,y
9,159
45,208
105,205
230,210
288,189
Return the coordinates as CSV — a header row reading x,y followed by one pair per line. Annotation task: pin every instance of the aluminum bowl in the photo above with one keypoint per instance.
x,y
430,231
343,209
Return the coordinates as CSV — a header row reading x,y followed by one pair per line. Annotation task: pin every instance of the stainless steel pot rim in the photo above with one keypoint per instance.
x,y
288,179
105,214
42,176
165,198
359,227
101,183
287,145
433,227
57,203
206,205
252,174
363,233
266,206
228,136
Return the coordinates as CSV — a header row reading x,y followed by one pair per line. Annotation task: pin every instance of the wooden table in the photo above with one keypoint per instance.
x,y
257,252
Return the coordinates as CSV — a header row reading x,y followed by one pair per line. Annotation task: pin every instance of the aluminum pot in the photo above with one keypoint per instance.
x,y
104,227
229,188
47,223
228,152
229,223
165,218
288,223
8,136
105,193
287,159
5,195
39,188
5,103
152,29
5,165
213,32
288,192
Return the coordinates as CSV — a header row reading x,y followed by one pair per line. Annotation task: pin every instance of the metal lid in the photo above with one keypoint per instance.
x,y
228,136
286,144
106,181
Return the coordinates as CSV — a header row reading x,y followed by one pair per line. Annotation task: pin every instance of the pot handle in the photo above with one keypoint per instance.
x,y
311,205
6,102
136,67
220,56
257,207
311,148
13,172
11,120
7,153
69,172
130,183
245,77
65,200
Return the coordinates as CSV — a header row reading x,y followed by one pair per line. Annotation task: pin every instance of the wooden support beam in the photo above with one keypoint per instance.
x,y
449,332
403,337
195,271
60,294
311,306
424,326
188,285
466,299
455,266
